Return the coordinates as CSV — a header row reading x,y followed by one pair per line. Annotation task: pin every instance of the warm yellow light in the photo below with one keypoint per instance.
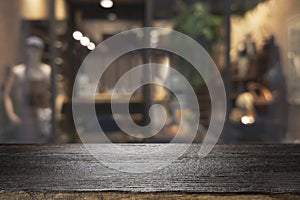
x,y
39,9
84,41
106,3
61,9
77,35
34,9
91,46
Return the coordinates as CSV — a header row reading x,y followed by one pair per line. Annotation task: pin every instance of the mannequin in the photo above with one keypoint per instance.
x,y
27,94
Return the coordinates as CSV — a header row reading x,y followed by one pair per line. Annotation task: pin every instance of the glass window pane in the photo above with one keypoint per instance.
x,y
260,67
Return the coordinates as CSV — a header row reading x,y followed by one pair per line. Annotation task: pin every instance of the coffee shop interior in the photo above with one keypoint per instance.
x,y
255,45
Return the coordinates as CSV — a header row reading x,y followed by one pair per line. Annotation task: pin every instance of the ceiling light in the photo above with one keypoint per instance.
x,y
84,41
106,3
91,46
77,35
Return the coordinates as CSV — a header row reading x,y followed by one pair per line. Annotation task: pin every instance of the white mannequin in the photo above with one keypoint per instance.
x,y
30,83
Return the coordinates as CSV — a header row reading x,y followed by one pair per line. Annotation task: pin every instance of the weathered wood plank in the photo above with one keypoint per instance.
x,y
263,169
147,196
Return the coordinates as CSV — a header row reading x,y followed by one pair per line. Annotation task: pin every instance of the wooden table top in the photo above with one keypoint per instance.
x,y
258,169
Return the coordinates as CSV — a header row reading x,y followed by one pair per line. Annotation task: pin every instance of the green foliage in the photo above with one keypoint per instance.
x,y
203,27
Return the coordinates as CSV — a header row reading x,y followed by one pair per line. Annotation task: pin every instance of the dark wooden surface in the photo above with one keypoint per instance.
x,y
268,169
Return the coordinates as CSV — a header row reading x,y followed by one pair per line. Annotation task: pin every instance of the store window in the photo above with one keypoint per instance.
x,y
43,44
32,47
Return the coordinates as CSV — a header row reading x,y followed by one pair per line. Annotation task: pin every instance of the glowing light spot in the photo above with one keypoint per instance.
x,y
91,46
77,35
247,120
106,3
84,41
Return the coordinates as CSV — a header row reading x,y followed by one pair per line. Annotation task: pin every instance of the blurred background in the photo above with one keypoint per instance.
x,y
254,43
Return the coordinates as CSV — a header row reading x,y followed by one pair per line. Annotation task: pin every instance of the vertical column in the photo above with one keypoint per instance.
x,y
147,59
227,76
52,36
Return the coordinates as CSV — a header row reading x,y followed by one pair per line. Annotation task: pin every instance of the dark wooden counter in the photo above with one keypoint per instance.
x,y
253,169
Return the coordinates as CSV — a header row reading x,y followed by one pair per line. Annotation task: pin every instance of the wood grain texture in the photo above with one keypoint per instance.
x,y
140,196
267,169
